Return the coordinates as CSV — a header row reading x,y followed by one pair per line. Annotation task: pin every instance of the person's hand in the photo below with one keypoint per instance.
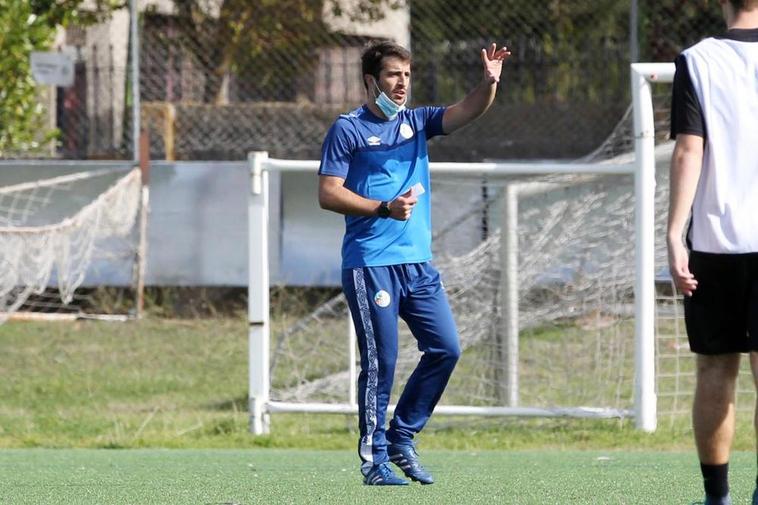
x,y
493,59
401,207
679,268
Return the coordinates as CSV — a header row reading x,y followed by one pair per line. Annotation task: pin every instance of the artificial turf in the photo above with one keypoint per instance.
x,y
274,476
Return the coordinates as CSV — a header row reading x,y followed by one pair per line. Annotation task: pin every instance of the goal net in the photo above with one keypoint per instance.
x,y
573,352
65,236
540,270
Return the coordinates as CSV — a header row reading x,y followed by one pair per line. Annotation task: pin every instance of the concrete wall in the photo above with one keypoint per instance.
x,y
198,223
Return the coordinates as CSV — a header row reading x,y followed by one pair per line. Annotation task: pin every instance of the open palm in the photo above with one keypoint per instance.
x,y
493,59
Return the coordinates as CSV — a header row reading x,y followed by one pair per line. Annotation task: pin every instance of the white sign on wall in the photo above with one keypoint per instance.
x,y
52,68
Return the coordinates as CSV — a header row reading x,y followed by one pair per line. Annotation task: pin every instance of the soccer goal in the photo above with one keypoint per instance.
x,y
556,273
68,229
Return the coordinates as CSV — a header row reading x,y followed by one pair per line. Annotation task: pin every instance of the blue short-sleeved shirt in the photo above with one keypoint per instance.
x,y
381,160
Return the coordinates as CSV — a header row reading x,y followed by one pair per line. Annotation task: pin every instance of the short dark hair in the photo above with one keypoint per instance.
x,y
740,5
373,55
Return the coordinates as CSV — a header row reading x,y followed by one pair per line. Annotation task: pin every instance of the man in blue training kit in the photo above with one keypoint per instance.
x,y
714,179
375,171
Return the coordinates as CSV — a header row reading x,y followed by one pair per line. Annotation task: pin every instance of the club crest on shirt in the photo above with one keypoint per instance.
x,y
406,131
382,298
374,141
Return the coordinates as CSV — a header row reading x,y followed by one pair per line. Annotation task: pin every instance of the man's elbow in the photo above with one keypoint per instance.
x,y
687,160
325,200
689,145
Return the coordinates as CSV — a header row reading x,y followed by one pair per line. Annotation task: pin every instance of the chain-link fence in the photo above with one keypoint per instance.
x,y
94,116
220,78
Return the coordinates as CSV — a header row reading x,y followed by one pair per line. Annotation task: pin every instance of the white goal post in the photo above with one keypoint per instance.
x,y
641,167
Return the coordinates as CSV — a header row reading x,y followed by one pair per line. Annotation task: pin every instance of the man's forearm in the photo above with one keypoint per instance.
x,y
686,165
343,201
471,107
479,100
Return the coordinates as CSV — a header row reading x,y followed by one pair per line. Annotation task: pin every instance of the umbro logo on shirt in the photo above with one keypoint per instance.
x,y
374,141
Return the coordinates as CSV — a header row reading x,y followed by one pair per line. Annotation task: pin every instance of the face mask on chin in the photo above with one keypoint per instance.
x,y
388,107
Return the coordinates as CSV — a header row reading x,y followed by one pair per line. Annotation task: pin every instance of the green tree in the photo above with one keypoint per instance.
x,y
669,26
26,26
563,49
274,40
575,49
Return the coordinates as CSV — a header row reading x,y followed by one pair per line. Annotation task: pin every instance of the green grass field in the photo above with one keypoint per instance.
x,y
168,397
274,476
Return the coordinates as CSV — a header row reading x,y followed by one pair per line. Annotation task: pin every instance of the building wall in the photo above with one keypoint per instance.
x,y
396,24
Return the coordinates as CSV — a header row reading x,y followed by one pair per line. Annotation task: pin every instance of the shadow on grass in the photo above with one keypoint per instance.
x,y
235,405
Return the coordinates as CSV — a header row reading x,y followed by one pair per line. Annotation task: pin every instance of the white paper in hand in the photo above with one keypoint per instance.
x,y
417,189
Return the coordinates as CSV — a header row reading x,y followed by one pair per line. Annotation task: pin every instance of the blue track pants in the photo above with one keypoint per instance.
x,y
376,297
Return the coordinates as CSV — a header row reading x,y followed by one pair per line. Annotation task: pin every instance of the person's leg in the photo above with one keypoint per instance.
x,y
754,368
716,317
426,310
713,420
752,329
372,299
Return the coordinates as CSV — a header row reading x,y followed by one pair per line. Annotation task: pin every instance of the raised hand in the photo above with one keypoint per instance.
x,y
493,59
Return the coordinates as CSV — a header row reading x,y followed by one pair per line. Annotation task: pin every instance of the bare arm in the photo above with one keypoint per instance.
x,y
686,165
334,196
481,97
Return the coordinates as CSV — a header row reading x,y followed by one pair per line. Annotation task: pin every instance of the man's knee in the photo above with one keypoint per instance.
x,y
452,351
754,367
717,374
447,352
719,366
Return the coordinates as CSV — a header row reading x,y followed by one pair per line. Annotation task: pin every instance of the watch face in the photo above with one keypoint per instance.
x,y
384,210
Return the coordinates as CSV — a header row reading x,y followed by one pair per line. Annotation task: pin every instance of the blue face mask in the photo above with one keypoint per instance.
x,y
388,107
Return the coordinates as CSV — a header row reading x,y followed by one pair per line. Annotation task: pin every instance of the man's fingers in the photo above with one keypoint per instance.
x,y
404,215
402,206
685,274
687,282
407,200
684,281
493,53
503,53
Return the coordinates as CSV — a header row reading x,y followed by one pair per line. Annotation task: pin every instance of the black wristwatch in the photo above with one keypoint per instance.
x,y
384,210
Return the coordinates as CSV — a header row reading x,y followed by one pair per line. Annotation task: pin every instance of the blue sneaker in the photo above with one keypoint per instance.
x,y
755,497
406,458
382,475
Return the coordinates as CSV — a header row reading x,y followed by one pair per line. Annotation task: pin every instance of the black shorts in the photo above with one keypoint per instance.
x,y
722,314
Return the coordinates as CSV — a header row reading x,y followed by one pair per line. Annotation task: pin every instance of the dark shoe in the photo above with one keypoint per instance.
x,y
406,458
382,475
